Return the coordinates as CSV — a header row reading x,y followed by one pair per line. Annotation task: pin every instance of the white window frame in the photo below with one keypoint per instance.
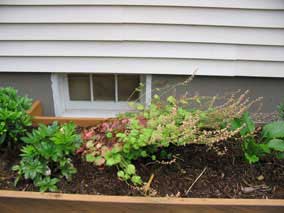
x,y
64,107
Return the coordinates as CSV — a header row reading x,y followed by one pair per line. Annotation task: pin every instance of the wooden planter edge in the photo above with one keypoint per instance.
x,y
141,200
36,112
19,201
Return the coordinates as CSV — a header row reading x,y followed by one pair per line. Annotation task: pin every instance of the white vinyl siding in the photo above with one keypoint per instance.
x,y
217,37
240,4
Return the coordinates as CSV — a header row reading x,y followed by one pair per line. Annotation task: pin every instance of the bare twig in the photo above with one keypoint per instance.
x,y
186,193
163,162
147,186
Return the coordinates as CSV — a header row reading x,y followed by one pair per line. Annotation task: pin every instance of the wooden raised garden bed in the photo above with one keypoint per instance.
x,y
19,201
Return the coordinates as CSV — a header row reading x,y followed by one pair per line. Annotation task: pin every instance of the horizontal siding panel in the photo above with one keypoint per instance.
x,y
143,66
141,50
142,32
249,4
140,14
219,37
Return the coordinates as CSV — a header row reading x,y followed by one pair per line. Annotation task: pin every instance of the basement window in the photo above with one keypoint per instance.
x,y
98,95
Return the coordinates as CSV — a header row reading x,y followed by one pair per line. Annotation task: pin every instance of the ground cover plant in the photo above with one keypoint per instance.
x,y
118,142
46,155
14,119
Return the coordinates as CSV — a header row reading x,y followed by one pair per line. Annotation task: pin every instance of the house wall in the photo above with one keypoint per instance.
x,y
217,37
38,86
34,85
271,89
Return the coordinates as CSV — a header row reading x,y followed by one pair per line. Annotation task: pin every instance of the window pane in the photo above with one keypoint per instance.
x,y
79,87
126,85
104,87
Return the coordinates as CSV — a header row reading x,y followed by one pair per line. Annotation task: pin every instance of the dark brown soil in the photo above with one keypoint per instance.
x,y
225,176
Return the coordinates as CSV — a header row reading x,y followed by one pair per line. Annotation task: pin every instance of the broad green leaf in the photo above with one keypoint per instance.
x,y
273,130
276,144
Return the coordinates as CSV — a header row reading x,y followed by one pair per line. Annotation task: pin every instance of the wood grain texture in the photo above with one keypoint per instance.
x,y
11,201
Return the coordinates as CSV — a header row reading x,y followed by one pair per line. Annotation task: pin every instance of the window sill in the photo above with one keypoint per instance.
x,y
92,113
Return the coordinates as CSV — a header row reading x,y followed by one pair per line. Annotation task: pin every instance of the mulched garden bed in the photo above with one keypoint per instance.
x,y
207,174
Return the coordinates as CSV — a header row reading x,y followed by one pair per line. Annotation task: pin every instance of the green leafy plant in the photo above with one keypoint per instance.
x,y
252,150
14,119
140,134
271,142
273,136
46,155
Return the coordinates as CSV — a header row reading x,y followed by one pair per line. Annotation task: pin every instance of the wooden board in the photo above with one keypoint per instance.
x,y
26,202
37,112
82,122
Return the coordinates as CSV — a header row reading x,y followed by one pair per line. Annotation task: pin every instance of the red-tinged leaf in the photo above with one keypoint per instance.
x,y
80,150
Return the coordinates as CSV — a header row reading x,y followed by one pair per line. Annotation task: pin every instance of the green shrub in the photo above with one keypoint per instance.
x,y
14,119
46,155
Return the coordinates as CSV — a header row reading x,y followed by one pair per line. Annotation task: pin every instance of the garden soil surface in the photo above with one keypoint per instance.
x,y
195,171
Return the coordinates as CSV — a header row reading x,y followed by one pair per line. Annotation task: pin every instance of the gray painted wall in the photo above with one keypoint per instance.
x,y
271,89
38,86
34,85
